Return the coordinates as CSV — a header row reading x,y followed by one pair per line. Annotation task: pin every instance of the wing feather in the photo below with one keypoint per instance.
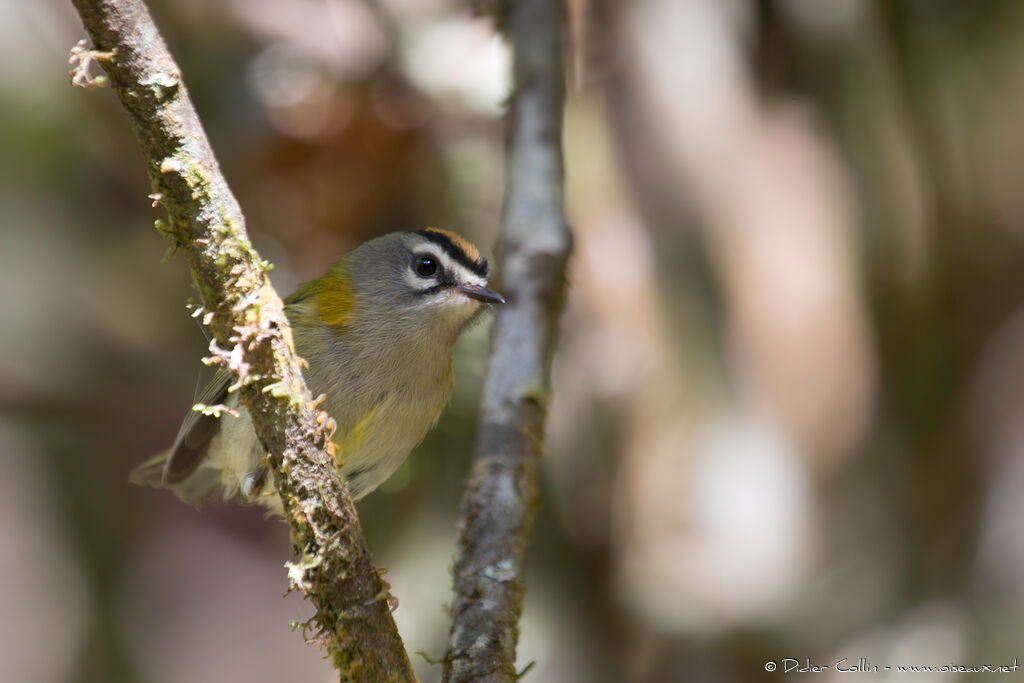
x,y
196,433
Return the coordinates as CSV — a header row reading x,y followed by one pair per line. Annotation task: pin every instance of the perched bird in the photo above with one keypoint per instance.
x,y
378,330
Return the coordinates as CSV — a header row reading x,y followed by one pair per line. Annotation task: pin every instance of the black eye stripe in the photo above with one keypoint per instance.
x,y
480,267
444,281
429,290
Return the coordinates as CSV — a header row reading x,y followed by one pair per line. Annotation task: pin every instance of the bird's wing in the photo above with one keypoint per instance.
x,y
193,441
196,432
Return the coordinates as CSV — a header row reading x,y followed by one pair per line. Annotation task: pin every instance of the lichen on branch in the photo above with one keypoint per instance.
x,y
251,336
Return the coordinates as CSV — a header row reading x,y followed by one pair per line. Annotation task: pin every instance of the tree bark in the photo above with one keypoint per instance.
x,y
501,496
251,336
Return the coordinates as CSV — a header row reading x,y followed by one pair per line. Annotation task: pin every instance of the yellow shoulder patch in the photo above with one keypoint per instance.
x,y
330,299
335,298
471,251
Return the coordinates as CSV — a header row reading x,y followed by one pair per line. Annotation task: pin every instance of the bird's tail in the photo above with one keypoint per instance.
x,y
194,490
150,472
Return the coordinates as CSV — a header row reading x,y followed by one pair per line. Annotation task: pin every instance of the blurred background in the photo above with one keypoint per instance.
x,y
789,390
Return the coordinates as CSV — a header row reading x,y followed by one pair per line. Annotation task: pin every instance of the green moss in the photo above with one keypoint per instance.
x,y
198,180
535,392
163,86
170,251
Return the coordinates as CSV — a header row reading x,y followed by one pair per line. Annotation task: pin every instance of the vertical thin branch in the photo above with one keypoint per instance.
x,y
501,495
252,336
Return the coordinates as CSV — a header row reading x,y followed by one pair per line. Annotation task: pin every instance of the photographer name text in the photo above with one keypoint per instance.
x,y
862,665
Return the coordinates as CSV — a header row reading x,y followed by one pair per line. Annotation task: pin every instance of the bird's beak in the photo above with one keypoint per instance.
x,y
482,294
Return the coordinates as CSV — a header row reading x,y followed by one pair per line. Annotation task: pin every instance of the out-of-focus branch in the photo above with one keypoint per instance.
x,y
253,337
501,496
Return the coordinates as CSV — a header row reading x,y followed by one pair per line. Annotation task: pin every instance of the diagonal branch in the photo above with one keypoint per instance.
x,y
501,496
247,319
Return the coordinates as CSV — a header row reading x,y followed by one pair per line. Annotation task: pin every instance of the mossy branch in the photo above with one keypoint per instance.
x,y
501,496
246,317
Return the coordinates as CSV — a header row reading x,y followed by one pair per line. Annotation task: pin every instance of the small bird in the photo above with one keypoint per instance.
x,y
378,331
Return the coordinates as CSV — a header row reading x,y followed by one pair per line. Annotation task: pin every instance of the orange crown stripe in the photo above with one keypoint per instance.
x,y
471,251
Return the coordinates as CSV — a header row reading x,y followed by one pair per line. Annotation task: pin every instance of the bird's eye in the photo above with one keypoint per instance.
x,y
425,266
